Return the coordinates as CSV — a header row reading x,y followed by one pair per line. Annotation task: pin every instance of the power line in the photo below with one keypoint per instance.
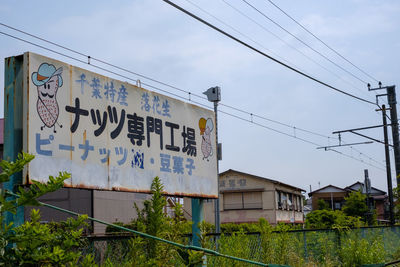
x,y
181,97
297,138
242,34
316,37
89,57
292,47
264,54
304,43
147,77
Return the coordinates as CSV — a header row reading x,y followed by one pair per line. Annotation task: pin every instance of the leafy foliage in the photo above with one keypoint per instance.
x,y
46,244
153,220
33,243
325,219
355,205
396,195
322,205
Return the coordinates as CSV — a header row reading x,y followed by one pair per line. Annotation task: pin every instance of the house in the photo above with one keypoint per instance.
x,y
245,198
378,198
331,194
335,197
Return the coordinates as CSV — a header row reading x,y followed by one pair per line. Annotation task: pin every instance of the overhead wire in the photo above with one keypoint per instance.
x,y
291,46
148,78
324,43
298,138
242,34
304,43
264,54
173,94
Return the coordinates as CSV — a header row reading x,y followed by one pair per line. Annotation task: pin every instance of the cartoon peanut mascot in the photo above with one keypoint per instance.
x,y
48,79
206,127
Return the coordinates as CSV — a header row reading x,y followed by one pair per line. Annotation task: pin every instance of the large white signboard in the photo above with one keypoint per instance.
x,y
112,135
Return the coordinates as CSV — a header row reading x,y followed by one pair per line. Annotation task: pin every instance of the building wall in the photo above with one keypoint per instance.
x,y
77,200
109,206
337,197
247,216
287,216
235,186
112,206
240,182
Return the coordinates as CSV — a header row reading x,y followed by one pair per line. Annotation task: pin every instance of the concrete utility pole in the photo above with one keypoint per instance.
x,y
391,97
387,156
388,171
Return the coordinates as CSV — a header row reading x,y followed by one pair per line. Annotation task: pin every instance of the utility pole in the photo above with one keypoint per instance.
x,y
391,97
388,172
387,156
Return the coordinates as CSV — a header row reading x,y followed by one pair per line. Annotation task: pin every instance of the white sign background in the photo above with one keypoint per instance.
x,y
95,133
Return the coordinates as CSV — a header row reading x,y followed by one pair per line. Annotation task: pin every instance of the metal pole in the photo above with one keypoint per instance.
x,y
214,95
368,215
13,94
197,217
387,158
391,96
216,202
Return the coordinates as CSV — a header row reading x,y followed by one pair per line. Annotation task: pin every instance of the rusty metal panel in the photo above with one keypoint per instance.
x,y
111,135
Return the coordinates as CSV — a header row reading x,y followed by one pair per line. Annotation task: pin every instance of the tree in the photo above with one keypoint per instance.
x,y
355,205
322,205
396,196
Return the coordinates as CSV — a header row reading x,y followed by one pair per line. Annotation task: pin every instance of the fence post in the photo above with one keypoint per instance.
x,y
338,240
305,246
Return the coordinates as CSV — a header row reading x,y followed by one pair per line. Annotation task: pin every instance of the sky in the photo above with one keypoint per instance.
x,y
152,38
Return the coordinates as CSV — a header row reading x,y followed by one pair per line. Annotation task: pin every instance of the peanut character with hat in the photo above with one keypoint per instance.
x,y
48,79
206,126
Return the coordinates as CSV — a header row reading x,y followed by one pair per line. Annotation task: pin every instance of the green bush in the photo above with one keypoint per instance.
x,y
326,219
33,243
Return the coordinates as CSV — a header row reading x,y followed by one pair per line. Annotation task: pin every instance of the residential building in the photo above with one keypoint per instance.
x,y
245,198
335,197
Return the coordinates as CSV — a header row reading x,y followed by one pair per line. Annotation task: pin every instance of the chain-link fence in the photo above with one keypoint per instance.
x,y
337,247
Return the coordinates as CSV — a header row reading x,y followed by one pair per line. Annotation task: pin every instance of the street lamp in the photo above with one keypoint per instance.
x,y
214,95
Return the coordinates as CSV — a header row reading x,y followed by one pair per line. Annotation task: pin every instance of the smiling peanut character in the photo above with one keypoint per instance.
x,y
48,79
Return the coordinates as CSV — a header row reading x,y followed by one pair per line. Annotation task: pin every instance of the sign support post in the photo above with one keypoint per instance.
x,y
13,91
197,217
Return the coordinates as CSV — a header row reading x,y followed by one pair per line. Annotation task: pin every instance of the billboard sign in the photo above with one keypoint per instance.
x,y
112,135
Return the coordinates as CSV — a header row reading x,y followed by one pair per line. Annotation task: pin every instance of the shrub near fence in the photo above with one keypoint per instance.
x,y
336,247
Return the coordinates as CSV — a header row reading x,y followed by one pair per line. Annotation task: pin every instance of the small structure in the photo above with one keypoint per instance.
x,y
245,198
335,197
331,194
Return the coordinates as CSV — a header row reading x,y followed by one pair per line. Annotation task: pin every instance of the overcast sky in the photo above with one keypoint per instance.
x,y
154,39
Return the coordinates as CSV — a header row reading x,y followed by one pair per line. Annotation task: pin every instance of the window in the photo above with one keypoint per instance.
x,y
284,201
278,200
290,202
242,200
252,200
